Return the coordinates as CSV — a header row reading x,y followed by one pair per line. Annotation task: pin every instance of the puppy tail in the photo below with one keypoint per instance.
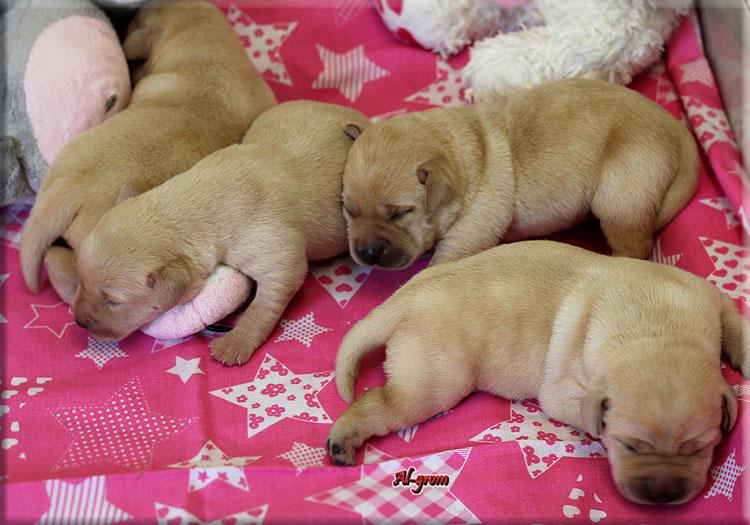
x,y
735,336
48,220
684,181
368,334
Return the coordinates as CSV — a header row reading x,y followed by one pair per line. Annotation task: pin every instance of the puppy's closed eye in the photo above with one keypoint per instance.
x,y
114,303
400,212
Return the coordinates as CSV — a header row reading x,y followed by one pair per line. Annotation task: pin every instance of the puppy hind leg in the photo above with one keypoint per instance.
x,y
735,336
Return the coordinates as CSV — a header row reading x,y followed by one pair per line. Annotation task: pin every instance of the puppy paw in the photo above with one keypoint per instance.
x,y
231,349
342,451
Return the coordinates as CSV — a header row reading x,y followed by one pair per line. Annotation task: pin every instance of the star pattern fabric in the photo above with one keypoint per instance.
x,y
376,500
186,368
123,431
56,318
303,456
263,44
448,90
80,503
302,330
340,277
211,464
101,352
711,124
657,255
723,205
725,477
697,71
277,394
543,441
731,268
347,72
168,515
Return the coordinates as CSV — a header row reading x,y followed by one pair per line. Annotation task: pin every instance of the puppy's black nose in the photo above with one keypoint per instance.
x,y
82,324
372,251
661,491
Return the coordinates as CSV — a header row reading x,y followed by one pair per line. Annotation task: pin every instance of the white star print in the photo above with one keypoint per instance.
x,y
124,430
101,352
697,71
80,503
375,498
186,368
303,330
168,515
543,440
277,394
725,477
211,464
45,310
347,72
723,205
263,43
448,90
303,456
659,257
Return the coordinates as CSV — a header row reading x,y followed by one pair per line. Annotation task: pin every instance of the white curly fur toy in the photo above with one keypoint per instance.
x,y
524,45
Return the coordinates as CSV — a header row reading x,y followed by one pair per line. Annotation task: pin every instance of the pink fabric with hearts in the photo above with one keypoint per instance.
x,y
154,431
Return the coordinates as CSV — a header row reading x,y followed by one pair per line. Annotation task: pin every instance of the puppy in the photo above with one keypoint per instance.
x,y
196,92
539,161
263,207
626,349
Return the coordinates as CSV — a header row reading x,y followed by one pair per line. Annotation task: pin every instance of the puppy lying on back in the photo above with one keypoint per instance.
x,y
196,92
263,207
539,161
627,350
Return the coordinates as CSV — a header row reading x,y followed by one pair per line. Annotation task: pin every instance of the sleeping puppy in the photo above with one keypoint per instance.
x,y
626,349
263,207
196,92
461,180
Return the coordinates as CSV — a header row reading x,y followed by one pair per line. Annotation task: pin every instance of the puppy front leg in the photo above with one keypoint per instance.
x,y
60,263
275,288
470,236
735,336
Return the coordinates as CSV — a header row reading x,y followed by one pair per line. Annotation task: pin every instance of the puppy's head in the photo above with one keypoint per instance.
x,y
401,191
128,280
660,424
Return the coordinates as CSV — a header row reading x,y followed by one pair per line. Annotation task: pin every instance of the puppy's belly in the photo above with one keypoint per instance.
x,y
544,218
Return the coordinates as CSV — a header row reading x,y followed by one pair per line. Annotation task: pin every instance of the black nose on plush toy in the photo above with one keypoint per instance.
x,y
660,491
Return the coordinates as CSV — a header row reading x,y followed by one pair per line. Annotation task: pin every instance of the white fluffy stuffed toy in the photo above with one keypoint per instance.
x,y
541,40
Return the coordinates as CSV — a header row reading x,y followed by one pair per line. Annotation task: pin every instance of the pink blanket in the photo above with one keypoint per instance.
x,y
151,430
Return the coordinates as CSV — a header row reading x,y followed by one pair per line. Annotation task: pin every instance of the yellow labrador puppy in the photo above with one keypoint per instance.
x,y
196,92
263,207
539,161
626,349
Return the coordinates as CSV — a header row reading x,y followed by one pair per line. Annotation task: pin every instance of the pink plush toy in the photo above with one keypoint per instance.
x,y
225,290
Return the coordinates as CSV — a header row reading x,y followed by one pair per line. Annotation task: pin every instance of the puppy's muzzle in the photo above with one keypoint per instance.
x,y
83,322
669,490
371,252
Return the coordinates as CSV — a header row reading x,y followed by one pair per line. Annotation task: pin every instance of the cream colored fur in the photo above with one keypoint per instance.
x,y
196,92
263,207
464,179
626,349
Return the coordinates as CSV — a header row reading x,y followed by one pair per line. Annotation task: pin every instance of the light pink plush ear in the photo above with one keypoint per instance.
x,y
225,291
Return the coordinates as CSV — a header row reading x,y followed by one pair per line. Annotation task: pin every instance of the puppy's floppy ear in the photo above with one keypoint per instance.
x,y
170,283
440,183
352,131
728,408
593,407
